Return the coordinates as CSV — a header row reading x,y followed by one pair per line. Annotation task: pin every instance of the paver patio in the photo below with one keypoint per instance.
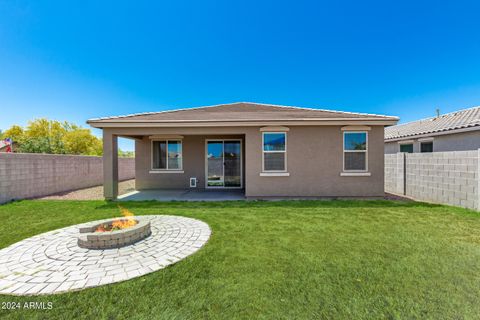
x,y
52,262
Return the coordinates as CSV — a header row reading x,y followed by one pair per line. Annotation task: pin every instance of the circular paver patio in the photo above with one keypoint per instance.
x,y
52,262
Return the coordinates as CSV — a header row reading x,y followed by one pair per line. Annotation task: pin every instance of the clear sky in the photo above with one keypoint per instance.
x,y
74,60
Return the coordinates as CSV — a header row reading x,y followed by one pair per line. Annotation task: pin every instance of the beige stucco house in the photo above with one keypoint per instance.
x,y
455,131
265,150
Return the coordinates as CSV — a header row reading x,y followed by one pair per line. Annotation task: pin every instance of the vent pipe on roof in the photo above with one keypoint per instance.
x,y
438,112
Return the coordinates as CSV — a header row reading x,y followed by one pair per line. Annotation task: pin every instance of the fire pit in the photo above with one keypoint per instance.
x,y
114,233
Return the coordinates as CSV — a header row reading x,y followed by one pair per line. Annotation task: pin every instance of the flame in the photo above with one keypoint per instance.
x,y
127,222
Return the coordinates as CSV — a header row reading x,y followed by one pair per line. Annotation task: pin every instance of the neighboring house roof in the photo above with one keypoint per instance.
x,y
239,112
462,119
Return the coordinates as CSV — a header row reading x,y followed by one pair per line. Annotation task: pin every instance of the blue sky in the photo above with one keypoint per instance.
x,y
74,60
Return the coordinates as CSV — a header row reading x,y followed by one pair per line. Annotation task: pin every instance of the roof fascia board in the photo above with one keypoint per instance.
x,y
122,124
243,120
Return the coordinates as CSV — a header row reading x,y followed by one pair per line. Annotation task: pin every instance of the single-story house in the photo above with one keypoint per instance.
x,y
456,131
265,150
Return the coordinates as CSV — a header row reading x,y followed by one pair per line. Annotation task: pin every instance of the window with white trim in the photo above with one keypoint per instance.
x,y
274,151
355,145
167,155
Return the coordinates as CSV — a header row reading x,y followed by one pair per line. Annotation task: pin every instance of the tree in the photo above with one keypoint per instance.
x,y
44,136
126,154
50,136
81,141
15,133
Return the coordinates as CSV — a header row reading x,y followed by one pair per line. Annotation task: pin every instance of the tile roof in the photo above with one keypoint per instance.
x,y
451,121
241,111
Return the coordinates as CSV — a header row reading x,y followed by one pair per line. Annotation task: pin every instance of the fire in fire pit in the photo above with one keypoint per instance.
x,y
114,233
119,223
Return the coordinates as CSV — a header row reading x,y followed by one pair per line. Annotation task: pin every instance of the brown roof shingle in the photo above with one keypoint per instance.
x,y
241,111
451,121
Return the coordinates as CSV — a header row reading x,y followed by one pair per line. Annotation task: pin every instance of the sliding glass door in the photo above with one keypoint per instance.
x,y
224,164
215,164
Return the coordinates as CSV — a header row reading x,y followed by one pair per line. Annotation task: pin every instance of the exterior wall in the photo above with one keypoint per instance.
x,y
314,162
462,141
440,177
457,142
25,176
391,147
193,153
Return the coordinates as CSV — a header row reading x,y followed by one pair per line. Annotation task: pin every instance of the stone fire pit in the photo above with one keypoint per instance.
x,y
52,262
89,239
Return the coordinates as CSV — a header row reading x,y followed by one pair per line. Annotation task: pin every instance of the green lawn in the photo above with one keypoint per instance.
x,y
282,260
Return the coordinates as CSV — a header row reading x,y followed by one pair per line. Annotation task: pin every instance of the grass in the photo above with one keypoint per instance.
x,y
281,260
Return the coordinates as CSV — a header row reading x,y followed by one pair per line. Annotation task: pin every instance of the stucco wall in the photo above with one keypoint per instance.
x,y
457,142
463,141
193,152
314,161
25,176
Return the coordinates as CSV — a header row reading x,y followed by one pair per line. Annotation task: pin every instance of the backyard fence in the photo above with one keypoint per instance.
x,y
28,175
441,177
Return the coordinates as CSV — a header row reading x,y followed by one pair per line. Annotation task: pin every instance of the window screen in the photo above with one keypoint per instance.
x,y
167,155
426,147
274,151
355,151
408,148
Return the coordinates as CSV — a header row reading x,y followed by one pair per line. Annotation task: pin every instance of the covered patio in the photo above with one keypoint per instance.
x,y
183,195
198,164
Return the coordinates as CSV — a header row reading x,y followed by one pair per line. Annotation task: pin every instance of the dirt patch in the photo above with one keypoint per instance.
x,y
390,196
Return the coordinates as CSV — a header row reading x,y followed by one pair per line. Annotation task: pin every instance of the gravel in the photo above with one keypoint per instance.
x,y
93,193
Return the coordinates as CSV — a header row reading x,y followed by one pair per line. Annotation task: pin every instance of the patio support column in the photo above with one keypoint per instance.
x,y
110,165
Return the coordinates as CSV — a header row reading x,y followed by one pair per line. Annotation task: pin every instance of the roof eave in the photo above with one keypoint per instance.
x,y
239,123
433,133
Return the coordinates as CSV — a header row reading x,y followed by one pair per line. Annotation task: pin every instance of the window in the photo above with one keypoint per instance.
x,y
167,154
408,148
426,147
355,151
274,151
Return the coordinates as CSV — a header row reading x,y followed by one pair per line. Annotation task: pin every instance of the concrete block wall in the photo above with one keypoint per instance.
x,y
391,173
24,176
441,177
395,173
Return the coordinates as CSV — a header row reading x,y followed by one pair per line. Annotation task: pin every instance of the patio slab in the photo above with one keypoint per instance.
x,y
53,262
184,195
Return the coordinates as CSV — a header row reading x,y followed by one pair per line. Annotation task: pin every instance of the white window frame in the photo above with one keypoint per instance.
x,y
365,151
166,160
276,151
